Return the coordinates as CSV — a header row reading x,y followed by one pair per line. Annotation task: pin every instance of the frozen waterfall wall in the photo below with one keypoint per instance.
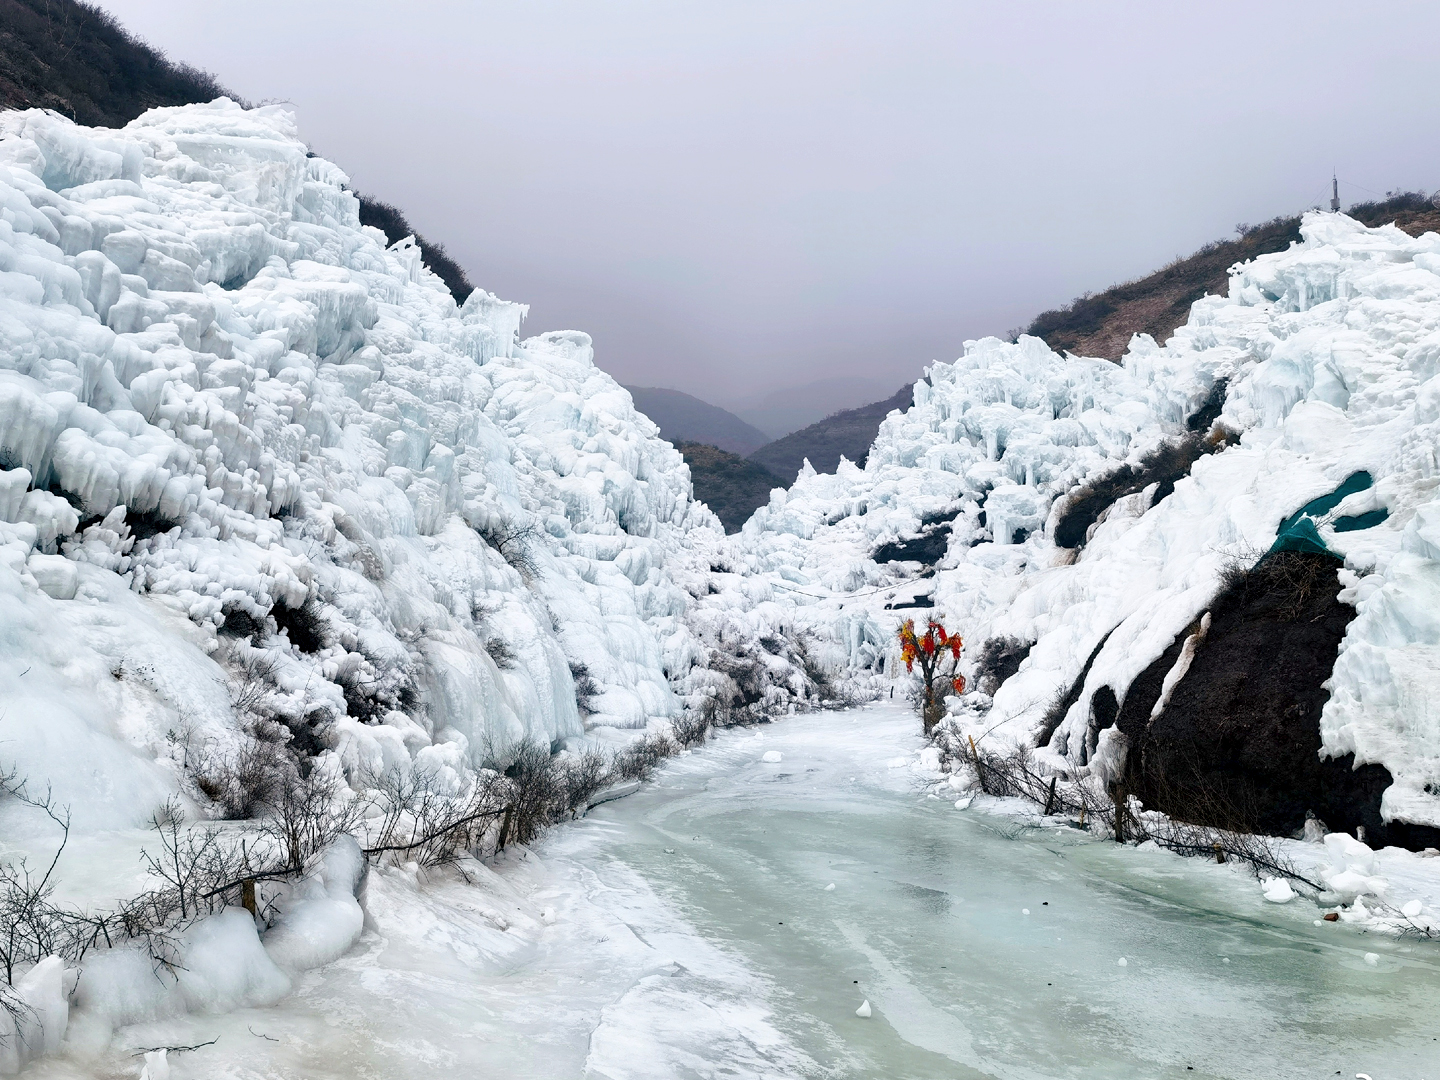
x,y
243,443
1327,360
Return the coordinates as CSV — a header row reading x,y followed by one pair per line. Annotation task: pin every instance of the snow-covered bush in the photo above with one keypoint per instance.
x,y
644,755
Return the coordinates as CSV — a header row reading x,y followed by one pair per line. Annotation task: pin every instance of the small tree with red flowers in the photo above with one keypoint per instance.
x,y
938,675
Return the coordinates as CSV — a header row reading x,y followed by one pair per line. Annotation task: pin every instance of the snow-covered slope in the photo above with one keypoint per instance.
x,y
1331,352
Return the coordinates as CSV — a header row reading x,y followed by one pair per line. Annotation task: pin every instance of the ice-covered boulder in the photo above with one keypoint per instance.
x,y
34,1014
322,916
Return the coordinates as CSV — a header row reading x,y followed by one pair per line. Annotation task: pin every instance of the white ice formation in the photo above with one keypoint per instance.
x,y
260,474
236,426
1332,355
1277,890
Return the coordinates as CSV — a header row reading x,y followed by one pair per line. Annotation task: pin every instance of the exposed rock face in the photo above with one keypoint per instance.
x,y
1237,744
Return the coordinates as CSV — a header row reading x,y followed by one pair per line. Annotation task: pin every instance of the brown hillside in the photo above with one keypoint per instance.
x,y
1101,324
727,483
76,59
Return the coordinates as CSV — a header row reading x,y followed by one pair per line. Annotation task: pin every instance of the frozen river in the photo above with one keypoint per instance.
x,y
690,931
928,920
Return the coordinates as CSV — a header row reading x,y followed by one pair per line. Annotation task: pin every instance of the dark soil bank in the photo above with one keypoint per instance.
x,y
1238,744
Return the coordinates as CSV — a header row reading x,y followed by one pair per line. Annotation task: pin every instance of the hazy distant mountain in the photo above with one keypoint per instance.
x,y
729,484
850,433
683,418
779,412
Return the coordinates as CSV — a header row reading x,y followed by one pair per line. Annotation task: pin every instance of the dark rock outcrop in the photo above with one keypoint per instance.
x,y
1238,744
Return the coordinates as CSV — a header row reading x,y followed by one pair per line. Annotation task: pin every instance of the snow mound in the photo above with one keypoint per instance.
x,y
1277,890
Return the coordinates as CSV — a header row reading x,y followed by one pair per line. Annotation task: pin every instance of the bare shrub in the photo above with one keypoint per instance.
x,y
692,726
252,676
420,822
362,696
819,678
533,792
582,777
243,782
999,658
500,652
1405,925
1261,853
197,872
719,715
305,817
29,929
190,862
305,626
515,543
1235,572
643,756
372,688
242,623
745,671
1292,578
1016,773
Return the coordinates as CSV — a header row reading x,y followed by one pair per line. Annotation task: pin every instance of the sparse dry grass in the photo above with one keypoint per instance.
x,y
1017,774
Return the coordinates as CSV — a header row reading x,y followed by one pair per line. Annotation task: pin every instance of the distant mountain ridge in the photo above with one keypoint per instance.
x,y
790,407
849,433
683,418
729,484
733,468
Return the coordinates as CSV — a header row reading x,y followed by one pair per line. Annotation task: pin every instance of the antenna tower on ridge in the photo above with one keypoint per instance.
x,y
1334,194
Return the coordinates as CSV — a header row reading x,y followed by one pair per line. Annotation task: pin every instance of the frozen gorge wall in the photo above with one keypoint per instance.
x,y
240,434
1331,352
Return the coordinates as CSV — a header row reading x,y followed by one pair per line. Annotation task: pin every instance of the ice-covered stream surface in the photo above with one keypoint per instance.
x,y
689,931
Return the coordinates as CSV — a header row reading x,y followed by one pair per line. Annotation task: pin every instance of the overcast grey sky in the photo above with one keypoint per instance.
x,y
738,197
